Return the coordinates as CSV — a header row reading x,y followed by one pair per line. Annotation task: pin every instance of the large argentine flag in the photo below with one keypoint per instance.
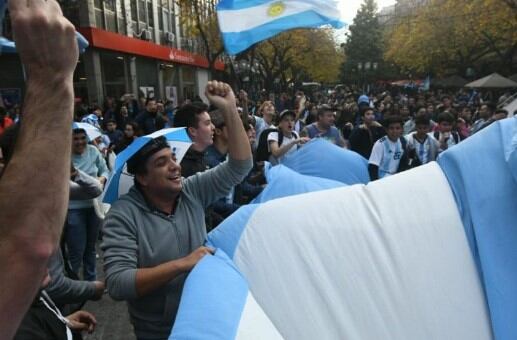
x,y
246,22
430,253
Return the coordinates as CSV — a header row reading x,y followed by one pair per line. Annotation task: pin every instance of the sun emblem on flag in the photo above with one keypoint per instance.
x,y
276,9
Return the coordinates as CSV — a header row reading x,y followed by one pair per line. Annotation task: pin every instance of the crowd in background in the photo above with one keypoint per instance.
x,y
392,128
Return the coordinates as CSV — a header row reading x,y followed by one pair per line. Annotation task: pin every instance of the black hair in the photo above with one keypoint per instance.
x,y
187,115
286,113
78,131
490,106
324,108
150,100
445,117
136,164
217,119
393,120
366,110
422,120
111,120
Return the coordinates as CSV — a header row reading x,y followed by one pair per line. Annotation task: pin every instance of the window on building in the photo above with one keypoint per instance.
x,y
99,18
166,21
142,11
134,15
110,5
111,21
114,74
150,16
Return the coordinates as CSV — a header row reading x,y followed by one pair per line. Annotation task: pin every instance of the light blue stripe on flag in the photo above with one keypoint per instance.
x,y
244,23
482,172
212,301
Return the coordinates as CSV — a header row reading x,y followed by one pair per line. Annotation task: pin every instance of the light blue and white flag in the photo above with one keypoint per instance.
x,y
429,253
246,22
121,181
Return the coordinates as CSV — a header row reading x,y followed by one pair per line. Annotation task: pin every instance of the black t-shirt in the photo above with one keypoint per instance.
x,y
40,323
362,141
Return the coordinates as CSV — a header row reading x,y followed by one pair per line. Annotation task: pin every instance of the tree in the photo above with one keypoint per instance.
x,y
297,56
448,36
199,20
364,42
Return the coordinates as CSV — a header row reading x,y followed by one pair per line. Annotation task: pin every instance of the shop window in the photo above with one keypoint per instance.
x,y
114,74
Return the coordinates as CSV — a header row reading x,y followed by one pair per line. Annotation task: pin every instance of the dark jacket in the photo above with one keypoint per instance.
x,y
192,163
361,141
149,122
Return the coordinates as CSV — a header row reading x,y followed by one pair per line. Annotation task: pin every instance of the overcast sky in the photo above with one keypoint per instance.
x,y
349,9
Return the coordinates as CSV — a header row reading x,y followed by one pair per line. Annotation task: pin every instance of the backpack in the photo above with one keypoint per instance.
x,y
405,160
263,152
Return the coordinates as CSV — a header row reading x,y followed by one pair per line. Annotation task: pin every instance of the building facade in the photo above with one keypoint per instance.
x,y
136,46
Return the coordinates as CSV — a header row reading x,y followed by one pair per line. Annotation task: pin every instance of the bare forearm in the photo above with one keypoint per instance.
x,y
30,223
238,146
41,159
150,279
280,151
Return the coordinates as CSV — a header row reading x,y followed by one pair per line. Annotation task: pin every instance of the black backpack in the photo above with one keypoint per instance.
x,y
263,152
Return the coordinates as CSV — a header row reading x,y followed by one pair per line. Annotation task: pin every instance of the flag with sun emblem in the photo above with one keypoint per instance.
x,y
246,22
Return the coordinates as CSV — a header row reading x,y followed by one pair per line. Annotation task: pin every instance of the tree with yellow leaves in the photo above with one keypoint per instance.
x,y
199,21
449,36
298,55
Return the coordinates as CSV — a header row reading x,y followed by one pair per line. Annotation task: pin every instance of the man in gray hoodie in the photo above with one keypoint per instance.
x,y
154,235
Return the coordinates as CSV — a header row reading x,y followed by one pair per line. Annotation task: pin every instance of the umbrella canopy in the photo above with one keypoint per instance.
x,y
452,81
91,131
120,180
7,46
494,80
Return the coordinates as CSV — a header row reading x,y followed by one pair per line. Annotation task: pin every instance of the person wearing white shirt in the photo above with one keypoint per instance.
x,y
283,142
422,148
388,153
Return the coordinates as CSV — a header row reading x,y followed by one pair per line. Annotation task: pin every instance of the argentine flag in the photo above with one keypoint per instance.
x,y
246,22
430,253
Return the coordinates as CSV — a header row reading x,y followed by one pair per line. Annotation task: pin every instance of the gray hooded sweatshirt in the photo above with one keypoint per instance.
x,y
137,235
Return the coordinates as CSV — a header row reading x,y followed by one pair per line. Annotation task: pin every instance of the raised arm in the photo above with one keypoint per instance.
x,y
31,223
221,95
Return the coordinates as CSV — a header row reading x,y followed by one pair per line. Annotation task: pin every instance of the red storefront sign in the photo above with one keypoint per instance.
x,y
121,43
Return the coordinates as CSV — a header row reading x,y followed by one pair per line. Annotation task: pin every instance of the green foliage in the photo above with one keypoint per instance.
x,y
364,41
449,36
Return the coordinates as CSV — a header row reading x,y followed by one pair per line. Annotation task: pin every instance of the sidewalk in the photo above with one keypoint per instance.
x,y
112,316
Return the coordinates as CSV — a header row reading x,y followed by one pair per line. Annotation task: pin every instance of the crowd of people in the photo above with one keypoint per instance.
x,y
153,236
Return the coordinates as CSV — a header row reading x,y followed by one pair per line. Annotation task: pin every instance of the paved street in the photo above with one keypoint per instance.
x,y
112,317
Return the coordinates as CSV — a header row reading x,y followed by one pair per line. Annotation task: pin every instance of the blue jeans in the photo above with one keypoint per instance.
x,y
82,229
